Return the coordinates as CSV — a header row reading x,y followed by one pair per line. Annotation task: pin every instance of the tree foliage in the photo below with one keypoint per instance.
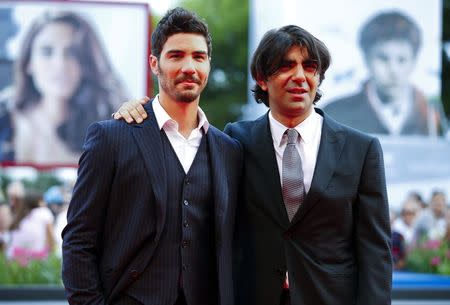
x,y
226,91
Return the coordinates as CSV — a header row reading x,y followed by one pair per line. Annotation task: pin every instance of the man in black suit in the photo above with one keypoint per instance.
x,y
152,213
329,243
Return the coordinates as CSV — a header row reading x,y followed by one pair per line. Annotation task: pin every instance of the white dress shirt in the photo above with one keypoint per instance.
x,y
394,114
310,131
185,149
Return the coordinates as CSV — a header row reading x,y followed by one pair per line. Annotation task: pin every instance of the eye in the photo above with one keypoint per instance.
x,y
46,51
286,65
381,57
175,55
199,56
70,52
310,66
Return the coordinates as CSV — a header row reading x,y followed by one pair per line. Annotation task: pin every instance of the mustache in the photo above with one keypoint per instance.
x,y
187,78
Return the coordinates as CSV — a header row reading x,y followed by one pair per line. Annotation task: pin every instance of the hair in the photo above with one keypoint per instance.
x,y
30,201
178,20
99,91
273,47
391,25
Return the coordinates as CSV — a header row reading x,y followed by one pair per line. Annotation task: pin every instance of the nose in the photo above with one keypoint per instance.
x,y
188,66
59,61
299,75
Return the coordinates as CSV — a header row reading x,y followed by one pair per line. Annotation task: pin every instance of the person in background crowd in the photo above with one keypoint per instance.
x,y
398,245
58,198
15,191
5,222
62,71
54,199
31,230
405,224
416,196
388,102
431,222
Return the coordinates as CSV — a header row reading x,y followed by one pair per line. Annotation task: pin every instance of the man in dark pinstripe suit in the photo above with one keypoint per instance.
x,y
335,250
152,213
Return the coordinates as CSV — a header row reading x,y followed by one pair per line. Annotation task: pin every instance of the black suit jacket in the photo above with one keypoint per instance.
x,y
113,230
357,112
337,248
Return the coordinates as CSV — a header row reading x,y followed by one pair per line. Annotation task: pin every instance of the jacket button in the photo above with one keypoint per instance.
x,y
134,274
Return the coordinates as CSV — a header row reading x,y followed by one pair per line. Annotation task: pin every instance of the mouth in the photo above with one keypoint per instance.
x,y
297,90
188,81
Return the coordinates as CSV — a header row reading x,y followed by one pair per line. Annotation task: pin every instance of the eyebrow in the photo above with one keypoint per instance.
x,y
182,51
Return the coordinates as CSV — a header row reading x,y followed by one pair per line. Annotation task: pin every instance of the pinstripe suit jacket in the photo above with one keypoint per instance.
x,y
337,247
113,229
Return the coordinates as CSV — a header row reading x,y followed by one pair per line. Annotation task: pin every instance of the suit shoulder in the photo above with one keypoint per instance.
x,y
224,137
109,132
241,129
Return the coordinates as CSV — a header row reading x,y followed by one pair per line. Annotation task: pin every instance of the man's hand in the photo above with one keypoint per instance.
x,y
132,111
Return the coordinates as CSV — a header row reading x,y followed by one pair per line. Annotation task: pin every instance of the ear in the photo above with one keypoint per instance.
x,y
153,62
262,84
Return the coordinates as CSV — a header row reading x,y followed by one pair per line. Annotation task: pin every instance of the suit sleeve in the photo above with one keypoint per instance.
x,y
85,218
228,129
373,233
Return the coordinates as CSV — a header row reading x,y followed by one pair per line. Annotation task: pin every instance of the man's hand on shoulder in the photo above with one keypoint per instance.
x,y
132,111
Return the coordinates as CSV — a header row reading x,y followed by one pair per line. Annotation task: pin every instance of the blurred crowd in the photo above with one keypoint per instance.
x,y
31,221
417,222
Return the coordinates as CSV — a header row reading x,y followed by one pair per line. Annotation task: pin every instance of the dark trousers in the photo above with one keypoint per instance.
x,y
285,298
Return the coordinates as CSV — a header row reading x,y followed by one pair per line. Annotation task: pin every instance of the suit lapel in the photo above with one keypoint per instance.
x,y
148,138
330,149
266,162
219,177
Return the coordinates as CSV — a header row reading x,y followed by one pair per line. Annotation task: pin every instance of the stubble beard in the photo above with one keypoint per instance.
x,y
171,89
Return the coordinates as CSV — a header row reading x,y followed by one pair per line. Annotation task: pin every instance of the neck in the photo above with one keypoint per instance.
x,y
53,109
290,121
185,114
400,94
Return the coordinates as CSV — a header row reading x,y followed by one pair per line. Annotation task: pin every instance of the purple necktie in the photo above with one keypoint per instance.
x,y
292,175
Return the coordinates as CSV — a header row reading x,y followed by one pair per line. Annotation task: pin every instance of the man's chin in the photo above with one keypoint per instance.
x,y
187,97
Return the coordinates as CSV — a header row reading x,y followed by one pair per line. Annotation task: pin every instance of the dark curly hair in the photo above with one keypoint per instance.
x,y
273,47
178,20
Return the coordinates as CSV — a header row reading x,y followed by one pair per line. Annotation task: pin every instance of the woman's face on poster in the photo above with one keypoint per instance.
x,y
53,65
390,64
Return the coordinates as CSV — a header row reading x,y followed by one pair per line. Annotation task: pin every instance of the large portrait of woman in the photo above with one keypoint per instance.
x,y
72,64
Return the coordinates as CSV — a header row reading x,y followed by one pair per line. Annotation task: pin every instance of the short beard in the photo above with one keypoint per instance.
x,y
186,97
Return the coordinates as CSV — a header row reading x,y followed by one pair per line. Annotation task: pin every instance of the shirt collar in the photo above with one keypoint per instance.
x,y
306,128
164,119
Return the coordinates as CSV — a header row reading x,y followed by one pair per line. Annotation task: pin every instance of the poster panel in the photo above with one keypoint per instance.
x,y
63,66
